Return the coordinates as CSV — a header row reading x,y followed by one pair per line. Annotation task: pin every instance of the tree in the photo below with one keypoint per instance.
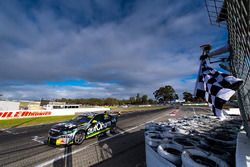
x,y
138,98
144,99
43,102
199,100
111,101
188,97
151,101
165,94
124,101
176,96
132,100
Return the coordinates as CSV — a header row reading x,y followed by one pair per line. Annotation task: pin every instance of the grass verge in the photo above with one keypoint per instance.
x,y
12,123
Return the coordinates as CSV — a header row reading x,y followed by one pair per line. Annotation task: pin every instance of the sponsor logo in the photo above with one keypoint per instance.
x,y
21,114
99,126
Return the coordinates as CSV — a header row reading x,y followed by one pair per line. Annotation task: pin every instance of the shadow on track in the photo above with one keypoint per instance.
x,y
19,150
66,161
127,149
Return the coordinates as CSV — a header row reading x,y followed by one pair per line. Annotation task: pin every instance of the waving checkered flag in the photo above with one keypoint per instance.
x,y
215,87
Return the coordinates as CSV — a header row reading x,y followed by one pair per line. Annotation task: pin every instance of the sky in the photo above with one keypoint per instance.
x,y
101,48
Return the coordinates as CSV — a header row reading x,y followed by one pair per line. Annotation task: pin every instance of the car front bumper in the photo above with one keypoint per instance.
x,y
59,141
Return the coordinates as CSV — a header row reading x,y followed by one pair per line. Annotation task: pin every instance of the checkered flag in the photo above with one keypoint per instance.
x,y
215,87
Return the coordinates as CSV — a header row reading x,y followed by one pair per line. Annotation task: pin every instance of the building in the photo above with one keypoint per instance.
x,y
61,106
9,105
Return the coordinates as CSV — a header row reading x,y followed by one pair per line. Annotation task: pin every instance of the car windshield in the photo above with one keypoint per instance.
x,y
81,119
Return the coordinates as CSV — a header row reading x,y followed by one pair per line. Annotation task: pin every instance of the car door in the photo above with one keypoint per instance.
x,y
104,121
100,122
95,125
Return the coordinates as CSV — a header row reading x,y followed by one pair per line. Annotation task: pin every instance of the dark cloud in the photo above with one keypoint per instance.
x,y
137,45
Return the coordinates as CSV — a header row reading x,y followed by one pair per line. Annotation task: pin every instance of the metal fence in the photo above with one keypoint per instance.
x,y
236,15
239,39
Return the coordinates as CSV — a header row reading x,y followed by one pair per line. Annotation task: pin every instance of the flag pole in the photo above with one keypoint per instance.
x,y
205,51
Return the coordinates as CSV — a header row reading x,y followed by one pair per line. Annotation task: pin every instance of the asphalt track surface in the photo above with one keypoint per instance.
x,y
25,146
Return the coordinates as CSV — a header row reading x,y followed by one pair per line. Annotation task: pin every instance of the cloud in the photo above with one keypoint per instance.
x,y
26,91
136,45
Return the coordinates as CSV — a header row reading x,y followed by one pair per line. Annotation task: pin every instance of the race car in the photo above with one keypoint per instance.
x,y
82,127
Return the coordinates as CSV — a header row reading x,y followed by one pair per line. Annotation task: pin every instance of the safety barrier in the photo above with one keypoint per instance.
x,y
187,141
41,113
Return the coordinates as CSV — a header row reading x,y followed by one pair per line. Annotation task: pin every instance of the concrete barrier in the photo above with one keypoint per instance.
x,y
233,111
12,114
242,150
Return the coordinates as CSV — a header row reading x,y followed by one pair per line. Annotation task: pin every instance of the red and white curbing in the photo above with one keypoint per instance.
x,y
173,113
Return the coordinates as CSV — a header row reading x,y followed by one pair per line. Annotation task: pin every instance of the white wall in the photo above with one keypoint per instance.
x,y
9,105
40,113
95,109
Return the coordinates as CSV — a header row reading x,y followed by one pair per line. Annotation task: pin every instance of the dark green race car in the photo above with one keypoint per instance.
x,y
84,126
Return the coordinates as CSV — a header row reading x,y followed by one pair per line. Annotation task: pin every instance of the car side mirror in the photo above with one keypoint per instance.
x,y
94,121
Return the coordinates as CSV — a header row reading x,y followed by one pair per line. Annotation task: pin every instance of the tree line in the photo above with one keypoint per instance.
x,y
163,95
134,100
167,94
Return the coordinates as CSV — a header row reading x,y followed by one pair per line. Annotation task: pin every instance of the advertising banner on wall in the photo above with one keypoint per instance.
x,y
40,113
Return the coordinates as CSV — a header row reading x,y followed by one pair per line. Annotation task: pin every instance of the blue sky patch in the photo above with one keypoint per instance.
x,y
68,83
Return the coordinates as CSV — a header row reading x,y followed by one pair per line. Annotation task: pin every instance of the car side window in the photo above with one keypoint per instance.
x,y
99,118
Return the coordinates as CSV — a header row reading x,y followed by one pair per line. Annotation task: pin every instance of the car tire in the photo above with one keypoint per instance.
x,y
79,137
114,130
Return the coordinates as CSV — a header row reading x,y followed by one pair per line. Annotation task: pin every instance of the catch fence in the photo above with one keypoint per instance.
x,y
235,16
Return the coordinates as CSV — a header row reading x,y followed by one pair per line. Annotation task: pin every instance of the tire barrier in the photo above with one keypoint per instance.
x,y
229,128
198,158
195,139
218,152
152,132
153,159
171,152
199,133
181,130
153,140
183,143
229,131
170,135
153,126
222,138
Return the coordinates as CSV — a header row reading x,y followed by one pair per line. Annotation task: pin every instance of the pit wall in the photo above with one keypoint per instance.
x,y
12,114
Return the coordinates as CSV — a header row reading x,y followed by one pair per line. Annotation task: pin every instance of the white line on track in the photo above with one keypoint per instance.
x,y
38,139
83,148
41,140
14,133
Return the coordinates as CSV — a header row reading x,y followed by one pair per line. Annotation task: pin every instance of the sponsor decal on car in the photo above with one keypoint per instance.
x,y
99,126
